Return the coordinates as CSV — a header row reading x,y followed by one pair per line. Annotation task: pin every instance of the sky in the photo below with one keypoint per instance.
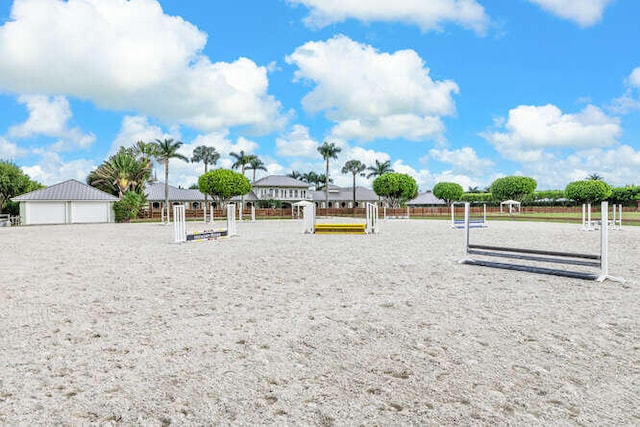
x,y
462,91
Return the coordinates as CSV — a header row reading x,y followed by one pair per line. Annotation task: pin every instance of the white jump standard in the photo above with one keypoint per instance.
x,y
594,261
180,231
475,222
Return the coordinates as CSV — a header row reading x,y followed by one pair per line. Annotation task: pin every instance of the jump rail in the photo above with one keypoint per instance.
x,y
473,222
599,261
180,231
370,227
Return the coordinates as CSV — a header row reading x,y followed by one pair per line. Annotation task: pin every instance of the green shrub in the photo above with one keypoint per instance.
x,y
448,191
513,188
395,188
129,206
588,191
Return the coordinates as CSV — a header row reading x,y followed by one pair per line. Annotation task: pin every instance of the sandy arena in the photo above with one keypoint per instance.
x,y
114,323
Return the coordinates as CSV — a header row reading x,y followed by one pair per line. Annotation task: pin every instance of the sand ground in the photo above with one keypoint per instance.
x,y
114,323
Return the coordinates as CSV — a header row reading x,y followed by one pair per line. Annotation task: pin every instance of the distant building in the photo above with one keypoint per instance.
x,y
426,199
342,197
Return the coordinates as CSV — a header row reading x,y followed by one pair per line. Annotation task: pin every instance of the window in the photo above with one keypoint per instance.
x,y
156,205
195,205
295,192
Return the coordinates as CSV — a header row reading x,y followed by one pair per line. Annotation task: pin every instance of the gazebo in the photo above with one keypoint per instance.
x,y
511,204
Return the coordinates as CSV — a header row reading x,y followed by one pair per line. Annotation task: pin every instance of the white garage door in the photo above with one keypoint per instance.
x,y
46,213
89,212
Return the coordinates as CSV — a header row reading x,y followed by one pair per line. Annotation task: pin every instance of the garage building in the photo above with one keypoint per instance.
x,y
69,202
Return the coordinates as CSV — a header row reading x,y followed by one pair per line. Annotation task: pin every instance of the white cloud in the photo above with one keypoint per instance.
x,y
584,12
428,15
10,150
463,160
297,143
134,129
368,93
530,130
49,116
634,78
129,55
52,169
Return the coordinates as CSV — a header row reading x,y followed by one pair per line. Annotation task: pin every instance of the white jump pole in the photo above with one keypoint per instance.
x,y
179,224
309,219
253,213
372,218
231,220
384,211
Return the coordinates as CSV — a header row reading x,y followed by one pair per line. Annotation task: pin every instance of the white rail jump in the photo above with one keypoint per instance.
x,y
371,225
180,234
474,222
615,223
594,261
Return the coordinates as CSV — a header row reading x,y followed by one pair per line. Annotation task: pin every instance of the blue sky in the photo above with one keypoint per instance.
x,y
447,90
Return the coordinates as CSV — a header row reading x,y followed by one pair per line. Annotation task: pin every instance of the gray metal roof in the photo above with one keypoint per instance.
x,y
346,194
280,181
68,191
155,193
426,198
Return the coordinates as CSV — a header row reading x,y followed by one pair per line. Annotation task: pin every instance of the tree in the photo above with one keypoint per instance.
x,y
328,150
14,182
448,191
242,160
379,169
354,167
321,181
256,164
594,177
395,188
128,207
207,155
223,184
295,175
513,188
165,150
311,178
588,191
120,173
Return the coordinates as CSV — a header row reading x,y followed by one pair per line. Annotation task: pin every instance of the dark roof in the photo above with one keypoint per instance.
x,y
155,192
68,191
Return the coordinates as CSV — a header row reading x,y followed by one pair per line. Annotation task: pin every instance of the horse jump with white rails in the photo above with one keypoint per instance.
x,y
385,217
180,231
615,223
475,222
369,227
599,261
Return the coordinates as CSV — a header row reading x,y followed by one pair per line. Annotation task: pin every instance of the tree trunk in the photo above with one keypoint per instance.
x,y
326,187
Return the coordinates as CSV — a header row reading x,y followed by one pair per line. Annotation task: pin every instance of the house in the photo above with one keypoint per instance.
x,y
68,202
282,188
426,199
342,197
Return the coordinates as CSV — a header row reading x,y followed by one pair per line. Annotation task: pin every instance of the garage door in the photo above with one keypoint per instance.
x,y
89,212
46,213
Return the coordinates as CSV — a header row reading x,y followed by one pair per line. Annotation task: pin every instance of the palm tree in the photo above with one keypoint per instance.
x,y
311,178
242,160
256,164
354,167
379,169
120,173
207,155
166,150
295,175
321,181
473,189
594,177
328,150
